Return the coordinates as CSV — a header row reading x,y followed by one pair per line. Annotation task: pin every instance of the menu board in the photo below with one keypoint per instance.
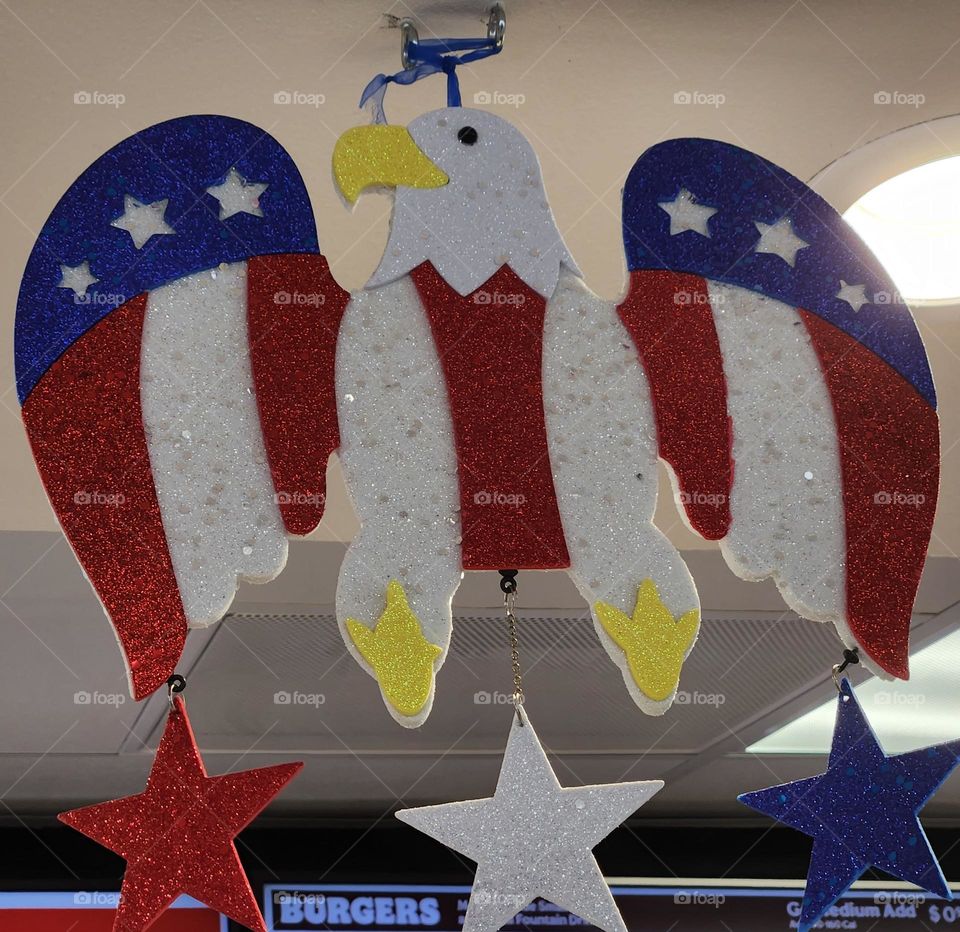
x,y
93,911
646,907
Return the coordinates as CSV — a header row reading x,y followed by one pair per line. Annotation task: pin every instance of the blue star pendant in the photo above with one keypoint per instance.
x,y
862,812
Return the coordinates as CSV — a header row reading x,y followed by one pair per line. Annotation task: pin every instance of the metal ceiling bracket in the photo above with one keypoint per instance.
x,y
496,28
497,24
408,34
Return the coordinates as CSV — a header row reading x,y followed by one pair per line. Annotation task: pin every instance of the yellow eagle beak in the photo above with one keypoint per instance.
x,y
381,155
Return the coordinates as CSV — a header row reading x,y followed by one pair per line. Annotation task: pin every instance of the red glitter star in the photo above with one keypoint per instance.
x,y
177,836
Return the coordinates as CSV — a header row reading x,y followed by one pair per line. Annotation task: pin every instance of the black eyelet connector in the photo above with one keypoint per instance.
x,y
850,657
468,135
508,581
176,684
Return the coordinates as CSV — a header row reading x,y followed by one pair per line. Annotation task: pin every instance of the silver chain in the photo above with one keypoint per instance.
x,y
509,600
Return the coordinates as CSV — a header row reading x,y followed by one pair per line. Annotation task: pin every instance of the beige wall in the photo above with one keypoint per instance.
x,y
598,81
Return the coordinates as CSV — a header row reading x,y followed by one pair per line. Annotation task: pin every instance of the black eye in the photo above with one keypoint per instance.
x,y
467,135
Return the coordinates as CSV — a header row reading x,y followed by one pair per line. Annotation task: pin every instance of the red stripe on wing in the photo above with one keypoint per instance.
x,y
669,317
294,308
890,460
85,425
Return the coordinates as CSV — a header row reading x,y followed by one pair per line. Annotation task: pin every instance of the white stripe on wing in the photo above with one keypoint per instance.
x,y
205,442
787,496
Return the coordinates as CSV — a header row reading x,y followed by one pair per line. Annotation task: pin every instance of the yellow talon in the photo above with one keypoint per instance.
x,y
654,642
401,657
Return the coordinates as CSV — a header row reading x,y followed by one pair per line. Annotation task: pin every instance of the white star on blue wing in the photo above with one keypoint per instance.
x,y
77,278
237,195
779,239
854,295
686,214
142,221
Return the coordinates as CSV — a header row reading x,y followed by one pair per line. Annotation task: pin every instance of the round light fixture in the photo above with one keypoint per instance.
x,y
912,223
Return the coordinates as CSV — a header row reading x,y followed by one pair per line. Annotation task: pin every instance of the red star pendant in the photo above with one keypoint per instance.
x,y
177,836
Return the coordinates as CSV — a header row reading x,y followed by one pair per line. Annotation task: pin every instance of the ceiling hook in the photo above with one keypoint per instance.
x,y
497,25
408,35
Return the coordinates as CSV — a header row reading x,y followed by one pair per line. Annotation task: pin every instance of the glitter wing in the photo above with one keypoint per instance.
x,y
166,317
793,398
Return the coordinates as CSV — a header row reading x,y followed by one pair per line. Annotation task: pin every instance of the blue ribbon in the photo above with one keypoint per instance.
x,y
429,56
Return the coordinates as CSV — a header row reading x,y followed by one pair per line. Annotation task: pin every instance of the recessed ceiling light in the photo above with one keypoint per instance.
x,y
912,224
905,715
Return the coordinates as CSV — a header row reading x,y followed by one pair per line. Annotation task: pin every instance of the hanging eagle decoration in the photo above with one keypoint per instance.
x,y
186,365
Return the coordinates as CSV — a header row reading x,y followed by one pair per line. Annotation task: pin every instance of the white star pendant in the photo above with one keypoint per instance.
x,y
533,837
686,214
854,295
779,239
78,278
142,221
238,196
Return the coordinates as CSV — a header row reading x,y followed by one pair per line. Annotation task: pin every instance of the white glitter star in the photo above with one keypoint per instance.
x,y
533,837
780,240
142,221
854,295
236,195
686,214
77,277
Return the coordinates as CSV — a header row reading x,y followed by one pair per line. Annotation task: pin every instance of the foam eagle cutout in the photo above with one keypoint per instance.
x,y
187,364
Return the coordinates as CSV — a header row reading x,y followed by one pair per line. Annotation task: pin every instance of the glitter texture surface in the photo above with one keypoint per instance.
x,y
172,162
533,837
603,451
669,319
206,448
654,642
85,426
490,346
786,451
836,470
890,461
746,190
479,428
493,212
381,155
151,453
399,461
177,836
400,656
294,309
863,812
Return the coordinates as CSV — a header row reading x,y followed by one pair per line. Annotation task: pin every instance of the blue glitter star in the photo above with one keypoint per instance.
x,y
862,812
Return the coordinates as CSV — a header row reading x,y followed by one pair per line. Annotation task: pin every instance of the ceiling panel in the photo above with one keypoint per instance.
x,y
287,682
750,672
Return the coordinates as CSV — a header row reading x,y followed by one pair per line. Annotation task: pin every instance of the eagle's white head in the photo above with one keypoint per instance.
x,y
469,198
